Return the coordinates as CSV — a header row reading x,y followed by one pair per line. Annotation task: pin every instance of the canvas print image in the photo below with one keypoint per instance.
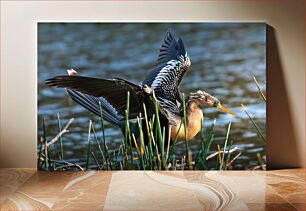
x,y
151,96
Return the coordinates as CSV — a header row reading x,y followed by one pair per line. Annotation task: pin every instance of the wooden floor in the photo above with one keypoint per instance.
x,y
28,189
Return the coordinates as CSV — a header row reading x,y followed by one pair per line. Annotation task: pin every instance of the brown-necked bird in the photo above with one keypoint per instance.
x,y
162,83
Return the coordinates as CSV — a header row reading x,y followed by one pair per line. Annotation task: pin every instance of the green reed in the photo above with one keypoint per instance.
x,y
89,144
185,127
61,140
248,114
224,148
254,123
105,147
128,140
150,136
47,158
103,154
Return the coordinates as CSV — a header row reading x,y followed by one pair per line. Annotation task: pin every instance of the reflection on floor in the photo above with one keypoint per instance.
x,y
28,189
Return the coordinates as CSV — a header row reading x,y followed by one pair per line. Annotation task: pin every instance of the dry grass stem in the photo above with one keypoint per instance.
x,y
63,131
222,152
230,163
259,89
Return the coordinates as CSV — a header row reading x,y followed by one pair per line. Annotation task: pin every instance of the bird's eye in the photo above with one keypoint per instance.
x,y
216,103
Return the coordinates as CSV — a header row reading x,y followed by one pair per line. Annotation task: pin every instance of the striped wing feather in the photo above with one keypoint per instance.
x,y
173,61
113,90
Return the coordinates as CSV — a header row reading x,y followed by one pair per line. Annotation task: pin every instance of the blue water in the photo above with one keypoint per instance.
x,y
224,58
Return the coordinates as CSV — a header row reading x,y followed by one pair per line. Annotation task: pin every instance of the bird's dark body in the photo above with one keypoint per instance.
x,y
93,103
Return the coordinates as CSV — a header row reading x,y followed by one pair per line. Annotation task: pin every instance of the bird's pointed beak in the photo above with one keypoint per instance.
x,y
225,110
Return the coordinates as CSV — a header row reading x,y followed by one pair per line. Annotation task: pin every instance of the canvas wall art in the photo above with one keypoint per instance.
x,y
151,96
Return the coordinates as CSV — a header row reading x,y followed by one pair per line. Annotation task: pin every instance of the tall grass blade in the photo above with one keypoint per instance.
x,y
260,161
259,89
185,128
150,150
219,154
142,150
228,154
173,163
172,148
158,126
127,127
163,148
138,152
255,125
141,134
45,143
40,152
61,140
88,146
225,143
168,144
205,146
209,139
97,141
95,159
105,148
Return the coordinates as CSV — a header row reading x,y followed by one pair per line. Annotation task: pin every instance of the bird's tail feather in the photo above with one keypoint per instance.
x,y
92,104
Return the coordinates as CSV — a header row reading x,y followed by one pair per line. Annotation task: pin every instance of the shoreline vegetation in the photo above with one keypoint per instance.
x,y
146,157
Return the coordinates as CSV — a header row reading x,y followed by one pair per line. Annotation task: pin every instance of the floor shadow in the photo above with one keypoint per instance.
x,y
281,148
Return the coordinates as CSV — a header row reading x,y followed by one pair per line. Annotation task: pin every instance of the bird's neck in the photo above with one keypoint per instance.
x,y
194,117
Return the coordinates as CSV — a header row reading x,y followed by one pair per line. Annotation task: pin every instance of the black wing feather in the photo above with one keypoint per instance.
x,y
92,104
114,91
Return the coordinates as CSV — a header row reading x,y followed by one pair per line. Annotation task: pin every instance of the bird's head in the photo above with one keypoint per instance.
x,y
203,98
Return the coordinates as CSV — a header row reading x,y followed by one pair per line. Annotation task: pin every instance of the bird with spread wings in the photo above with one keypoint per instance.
x,y
162,84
